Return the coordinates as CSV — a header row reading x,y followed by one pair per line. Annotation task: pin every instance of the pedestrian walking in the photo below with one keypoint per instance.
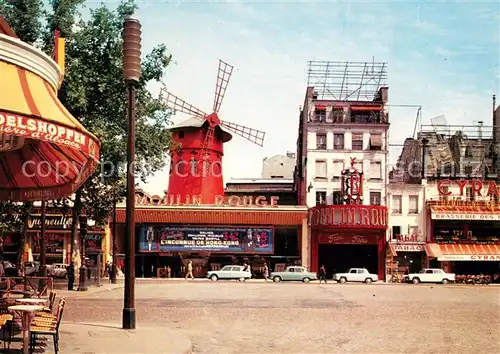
x,y
322,274
71,275
189,272
266,272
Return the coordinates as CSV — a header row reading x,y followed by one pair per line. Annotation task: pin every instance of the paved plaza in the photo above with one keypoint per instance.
x,y
258,317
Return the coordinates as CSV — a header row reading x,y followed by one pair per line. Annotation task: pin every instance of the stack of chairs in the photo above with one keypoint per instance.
x,y
46,323
6,321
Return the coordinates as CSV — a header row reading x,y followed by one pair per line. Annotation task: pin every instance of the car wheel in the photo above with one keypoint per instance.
x,y
306,280
343,280
214,277
445,281
277,279
368,280
415,280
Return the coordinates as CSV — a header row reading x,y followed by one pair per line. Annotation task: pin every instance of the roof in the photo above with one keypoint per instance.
x,y
259,180
195,122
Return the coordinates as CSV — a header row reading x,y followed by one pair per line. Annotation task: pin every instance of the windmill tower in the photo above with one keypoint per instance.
x,y
196,156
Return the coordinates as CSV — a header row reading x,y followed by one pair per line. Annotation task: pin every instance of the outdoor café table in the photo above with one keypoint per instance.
x,y
28,301
27,314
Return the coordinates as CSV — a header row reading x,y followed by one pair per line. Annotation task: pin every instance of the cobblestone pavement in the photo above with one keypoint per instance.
x,y
234,317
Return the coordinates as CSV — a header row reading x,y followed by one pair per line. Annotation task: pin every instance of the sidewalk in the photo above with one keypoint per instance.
x,y
91,290
101,338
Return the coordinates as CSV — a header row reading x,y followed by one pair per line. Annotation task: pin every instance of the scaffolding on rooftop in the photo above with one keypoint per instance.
x,y
346,81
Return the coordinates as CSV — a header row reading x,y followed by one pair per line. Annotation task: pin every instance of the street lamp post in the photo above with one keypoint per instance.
x,y
82,283
113,265
132,74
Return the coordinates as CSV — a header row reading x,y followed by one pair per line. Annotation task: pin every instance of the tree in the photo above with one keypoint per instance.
x,y
94,92
24,16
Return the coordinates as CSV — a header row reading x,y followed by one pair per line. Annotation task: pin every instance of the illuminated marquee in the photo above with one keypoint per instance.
x,y
196,200
348,216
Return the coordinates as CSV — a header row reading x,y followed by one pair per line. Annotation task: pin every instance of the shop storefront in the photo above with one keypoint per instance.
x,y
169,236
465,235
406,255
345,236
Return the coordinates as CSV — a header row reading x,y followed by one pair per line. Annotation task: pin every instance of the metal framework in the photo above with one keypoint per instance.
x,y
346,81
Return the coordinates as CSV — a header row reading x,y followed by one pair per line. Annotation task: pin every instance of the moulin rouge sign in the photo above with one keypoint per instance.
x,y
348,216
196,200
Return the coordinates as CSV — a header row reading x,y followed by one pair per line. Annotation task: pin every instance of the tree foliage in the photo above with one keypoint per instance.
x,y
94,92
24,16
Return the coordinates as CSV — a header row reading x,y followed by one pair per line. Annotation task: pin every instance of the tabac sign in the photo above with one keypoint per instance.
x,y
196,200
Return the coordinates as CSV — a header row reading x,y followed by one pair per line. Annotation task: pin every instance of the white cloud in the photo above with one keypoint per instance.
x,y
268,83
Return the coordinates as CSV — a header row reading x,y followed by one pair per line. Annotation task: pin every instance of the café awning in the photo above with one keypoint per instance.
x,y
463,252
45,153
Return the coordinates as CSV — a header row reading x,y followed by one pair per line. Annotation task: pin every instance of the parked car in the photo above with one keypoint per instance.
x,y
355,275
294,273
57,270
230,272
431,275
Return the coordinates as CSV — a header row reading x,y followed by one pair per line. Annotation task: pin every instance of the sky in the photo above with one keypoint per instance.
x,y
442,56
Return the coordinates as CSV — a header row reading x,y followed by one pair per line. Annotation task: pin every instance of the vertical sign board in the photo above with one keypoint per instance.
x,y
222,240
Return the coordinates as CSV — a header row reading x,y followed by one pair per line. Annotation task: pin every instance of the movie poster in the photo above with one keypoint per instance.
x,y
176,239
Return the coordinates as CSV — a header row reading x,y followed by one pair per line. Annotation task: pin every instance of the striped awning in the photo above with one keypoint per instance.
x,y
463,252
45,153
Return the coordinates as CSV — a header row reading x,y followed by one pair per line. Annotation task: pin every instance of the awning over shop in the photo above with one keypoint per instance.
x,y
45,153
479,212
463,252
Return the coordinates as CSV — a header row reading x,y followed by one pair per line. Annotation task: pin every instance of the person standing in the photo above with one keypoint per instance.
x,y
322,274
71,275
189,272
266,272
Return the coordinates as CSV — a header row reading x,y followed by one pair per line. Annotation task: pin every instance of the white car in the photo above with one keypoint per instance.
x,y
431,275
356,275
230,272
57,270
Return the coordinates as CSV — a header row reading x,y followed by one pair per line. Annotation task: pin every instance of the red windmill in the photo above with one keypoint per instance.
x,y
196,156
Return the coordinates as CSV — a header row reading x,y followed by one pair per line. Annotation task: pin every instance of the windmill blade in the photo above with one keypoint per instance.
x,y
253,135
223,76
179,105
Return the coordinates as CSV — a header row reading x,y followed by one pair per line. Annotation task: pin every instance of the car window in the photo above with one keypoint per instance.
x,y
437,271
353,271
226,269
428,271
291,270
299,270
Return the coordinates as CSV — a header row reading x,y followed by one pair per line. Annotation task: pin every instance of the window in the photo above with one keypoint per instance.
x,y
376,142
357,141
337,115
397,204
428,271
353,271
396,231
358,166
321,169
375,170
413,204
320,114
468,193
337,198
468,170
320,198
320,141
375,198
338,167
338,141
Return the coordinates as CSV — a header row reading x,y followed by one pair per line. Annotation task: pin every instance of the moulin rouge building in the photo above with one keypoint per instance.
x,y
195,221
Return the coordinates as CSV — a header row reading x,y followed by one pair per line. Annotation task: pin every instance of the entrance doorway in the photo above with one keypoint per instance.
x,y
339,258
